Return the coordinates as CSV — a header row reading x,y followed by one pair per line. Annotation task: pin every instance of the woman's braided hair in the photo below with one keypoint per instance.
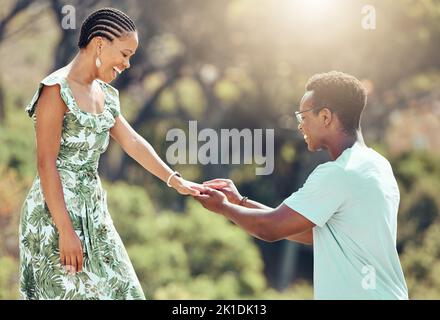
x,y
106,22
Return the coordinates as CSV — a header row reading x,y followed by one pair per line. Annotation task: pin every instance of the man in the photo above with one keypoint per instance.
x,y
347,207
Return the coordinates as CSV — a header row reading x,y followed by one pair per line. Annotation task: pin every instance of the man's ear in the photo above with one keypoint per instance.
x,y
326,115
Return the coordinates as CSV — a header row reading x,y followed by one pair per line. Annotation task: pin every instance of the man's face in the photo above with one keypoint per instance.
x,y
312,125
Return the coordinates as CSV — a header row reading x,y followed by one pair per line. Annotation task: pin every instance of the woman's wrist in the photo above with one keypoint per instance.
x,y
174,180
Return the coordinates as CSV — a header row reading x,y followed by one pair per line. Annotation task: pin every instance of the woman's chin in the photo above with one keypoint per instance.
x,y
106,79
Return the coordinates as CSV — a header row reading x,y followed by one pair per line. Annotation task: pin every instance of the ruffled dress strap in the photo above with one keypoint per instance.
x,y
98,122
112,95
51,80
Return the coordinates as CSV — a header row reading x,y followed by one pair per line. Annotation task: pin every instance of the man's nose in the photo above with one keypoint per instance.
x,y
299,127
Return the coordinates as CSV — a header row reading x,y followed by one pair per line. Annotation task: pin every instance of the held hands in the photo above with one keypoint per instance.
x,y
227,187
212,199
216,194
185,187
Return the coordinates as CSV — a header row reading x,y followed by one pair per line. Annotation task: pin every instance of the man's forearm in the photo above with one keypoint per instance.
x,y
253,220
255,205
304,238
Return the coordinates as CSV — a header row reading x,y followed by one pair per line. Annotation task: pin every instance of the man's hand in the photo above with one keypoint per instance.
x,y
212,200
226,186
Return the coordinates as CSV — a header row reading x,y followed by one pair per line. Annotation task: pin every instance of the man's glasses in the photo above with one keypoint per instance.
x,y
298,114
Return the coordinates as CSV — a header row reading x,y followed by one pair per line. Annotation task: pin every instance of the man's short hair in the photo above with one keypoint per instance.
x,y
342,93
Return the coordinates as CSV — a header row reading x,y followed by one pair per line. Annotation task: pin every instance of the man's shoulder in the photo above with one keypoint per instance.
x,y
330,169
354,164
374,160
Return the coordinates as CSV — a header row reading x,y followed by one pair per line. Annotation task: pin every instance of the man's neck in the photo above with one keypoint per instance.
x,y
343,142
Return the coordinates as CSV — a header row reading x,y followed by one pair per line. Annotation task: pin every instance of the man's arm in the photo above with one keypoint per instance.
x,y
304,238
270,225
266,224
228,187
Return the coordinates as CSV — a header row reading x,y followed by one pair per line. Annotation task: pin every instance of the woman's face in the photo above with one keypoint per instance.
x,y
115,55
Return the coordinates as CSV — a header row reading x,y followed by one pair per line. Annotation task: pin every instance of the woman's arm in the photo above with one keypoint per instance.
x,y
49,114
141,151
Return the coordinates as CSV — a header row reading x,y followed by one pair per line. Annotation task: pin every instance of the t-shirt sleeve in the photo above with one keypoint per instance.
x,y
322,194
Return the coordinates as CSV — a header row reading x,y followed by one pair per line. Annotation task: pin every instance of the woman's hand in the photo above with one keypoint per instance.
x,y
185,187
71,253
226,186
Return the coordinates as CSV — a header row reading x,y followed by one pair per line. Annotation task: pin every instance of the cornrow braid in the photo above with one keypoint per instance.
x,y
109,23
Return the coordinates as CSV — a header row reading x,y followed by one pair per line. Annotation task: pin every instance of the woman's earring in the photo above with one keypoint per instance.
x,y
98,62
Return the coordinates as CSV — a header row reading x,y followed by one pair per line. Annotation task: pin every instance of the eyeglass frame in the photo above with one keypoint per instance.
x,y
298,113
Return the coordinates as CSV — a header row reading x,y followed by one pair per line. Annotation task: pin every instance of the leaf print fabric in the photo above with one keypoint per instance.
x,y
107,270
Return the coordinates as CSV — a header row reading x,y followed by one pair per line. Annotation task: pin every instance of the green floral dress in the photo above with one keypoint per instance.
x,y
107,270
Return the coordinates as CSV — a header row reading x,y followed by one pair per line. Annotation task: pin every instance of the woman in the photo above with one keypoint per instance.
x,y
69,248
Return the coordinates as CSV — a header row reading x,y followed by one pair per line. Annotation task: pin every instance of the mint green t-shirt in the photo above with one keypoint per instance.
x,y
354,202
